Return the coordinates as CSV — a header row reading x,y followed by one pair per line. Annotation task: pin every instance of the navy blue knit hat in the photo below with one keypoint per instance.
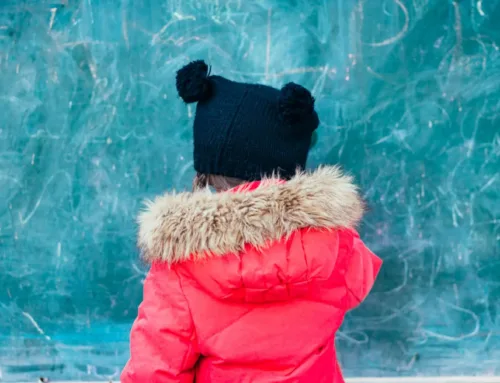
x,y
247,131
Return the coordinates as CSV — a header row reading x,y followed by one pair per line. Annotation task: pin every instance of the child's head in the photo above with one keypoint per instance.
x,y
243,132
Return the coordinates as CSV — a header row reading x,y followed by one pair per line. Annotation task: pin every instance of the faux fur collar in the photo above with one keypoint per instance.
x,y
178,227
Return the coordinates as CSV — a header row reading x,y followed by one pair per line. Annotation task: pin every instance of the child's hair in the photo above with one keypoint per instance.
x,y
219,183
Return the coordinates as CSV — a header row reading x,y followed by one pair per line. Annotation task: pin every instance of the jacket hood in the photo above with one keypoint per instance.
x,y
179,227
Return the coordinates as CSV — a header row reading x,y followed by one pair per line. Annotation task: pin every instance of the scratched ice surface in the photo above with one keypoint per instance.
x,y
409,96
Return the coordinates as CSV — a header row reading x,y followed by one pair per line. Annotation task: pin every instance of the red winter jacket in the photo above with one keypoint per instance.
x,y
250,285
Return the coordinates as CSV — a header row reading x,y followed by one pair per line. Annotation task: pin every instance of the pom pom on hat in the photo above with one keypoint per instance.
x,y
295,103
192,82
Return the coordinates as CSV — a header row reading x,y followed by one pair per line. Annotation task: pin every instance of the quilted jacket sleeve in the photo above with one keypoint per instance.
x,y
163,346
361,272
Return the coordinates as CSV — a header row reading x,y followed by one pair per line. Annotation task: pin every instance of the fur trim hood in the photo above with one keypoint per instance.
x,y
178,227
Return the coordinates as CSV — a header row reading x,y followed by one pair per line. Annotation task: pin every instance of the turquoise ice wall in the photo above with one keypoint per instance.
x,y
408,92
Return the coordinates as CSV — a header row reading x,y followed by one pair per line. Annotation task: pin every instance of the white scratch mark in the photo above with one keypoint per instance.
x,y
449,338
90,11
471,202
401,33
489,183
408,366
138,270
480,8
378,75
93,70
319,69
268,42
454,217
33,322
59,248
52,17
458,28
85,42
125,28
357,337
180,16
23,220
157,35
319,84
469,144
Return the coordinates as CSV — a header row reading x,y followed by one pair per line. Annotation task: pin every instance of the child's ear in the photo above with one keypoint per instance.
x,y
192,82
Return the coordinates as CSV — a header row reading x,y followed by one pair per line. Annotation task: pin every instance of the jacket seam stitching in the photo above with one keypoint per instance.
x,y
305,257
189,309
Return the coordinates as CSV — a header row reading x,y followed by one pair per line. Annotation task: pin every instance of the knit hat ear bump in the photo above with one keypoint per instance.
x,y
192,82
295,103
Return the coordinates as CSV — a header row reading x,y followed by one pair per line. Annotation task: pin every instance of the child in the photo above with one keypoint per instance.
x,y
251,283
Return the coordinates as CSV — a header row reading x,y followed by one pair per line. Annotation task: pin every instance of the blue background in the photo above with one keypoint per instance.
x,y
408,92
